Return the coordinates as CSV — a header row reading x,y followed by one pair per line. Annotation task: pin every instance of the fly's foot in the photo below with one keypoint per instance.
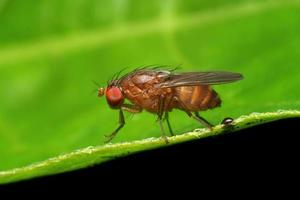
x,y
108,138
165,139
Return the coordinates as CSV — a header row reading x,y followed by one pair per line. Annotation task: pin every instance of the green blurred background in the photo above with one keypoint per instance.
x,y
52,50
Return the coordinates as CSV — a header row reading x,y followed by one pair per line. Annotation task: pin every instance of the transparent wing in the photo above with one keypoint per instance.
x,y
200,78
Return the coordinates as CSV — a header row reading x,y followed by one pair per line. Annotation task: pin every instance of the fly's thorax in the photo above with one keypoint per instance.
x,y
142,84
140,90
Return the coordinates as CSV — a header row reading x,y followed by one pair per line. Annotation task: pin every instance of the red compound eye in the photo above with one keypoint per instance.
x,y
114,97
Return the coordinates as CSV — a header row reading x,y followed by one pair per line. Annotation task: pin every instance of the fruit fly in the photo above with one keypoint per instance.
x,y
159,91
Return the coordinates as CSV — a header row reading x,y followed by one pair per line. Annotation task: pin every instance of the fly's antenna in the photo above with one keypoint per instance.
x,y
94,91
96,83
98,89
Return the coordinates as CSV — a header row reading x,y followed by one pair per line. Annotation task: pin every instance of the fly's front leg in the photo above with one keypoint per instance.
x,y
126,107
121,124
161,106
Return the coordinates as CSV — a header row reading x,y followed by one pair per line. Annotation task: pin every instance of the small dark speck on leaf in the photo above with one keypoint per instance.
x,y
227,124
227,121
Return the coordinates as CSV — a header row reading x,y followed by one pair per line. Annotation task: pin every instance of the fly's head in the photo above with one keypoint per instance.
x,y
113,94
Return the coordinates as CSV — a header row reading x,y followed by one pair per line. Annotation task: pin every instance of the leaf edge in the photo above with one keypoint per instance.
x,y
88,156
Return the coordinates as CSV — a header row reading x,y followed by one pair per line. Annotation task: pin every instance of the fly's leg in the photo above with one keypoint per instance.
x,y
161,104
196,116
167,116
168,123
121,124
202,120
131,108
126,107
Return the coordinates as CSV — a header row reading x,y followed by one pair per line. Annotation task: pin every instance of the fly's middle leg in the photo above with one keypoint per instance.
x,y
167,114
161,107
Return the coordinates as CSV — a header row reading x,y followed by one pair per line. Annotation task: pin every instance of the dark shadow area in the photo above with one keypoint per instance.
x,y
262,153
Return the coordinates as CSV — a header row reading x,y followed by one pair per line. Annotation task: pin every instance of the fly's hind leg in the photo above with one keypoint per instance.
x,y
129,108
168,123
202,120
196,115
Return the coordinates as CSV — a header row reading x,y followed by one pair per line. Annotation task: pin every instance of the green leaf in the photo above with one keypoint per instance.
x,y
94,155
51,51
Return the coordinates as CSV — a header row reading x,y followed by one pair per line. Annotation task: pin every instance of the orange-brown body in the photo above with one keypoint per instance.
x,y
141,89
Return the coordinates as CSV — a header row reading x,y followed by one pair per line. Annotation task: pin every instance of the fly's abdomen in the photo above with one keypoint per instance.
x,y
197,98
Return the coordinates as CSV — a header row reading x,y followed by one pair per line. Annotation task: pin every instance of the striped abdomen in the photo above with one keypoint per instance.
x,y
197,98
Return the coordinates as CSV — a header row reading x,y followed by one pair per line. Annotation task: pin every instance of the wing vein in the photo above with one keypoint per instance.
x,y
200,78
